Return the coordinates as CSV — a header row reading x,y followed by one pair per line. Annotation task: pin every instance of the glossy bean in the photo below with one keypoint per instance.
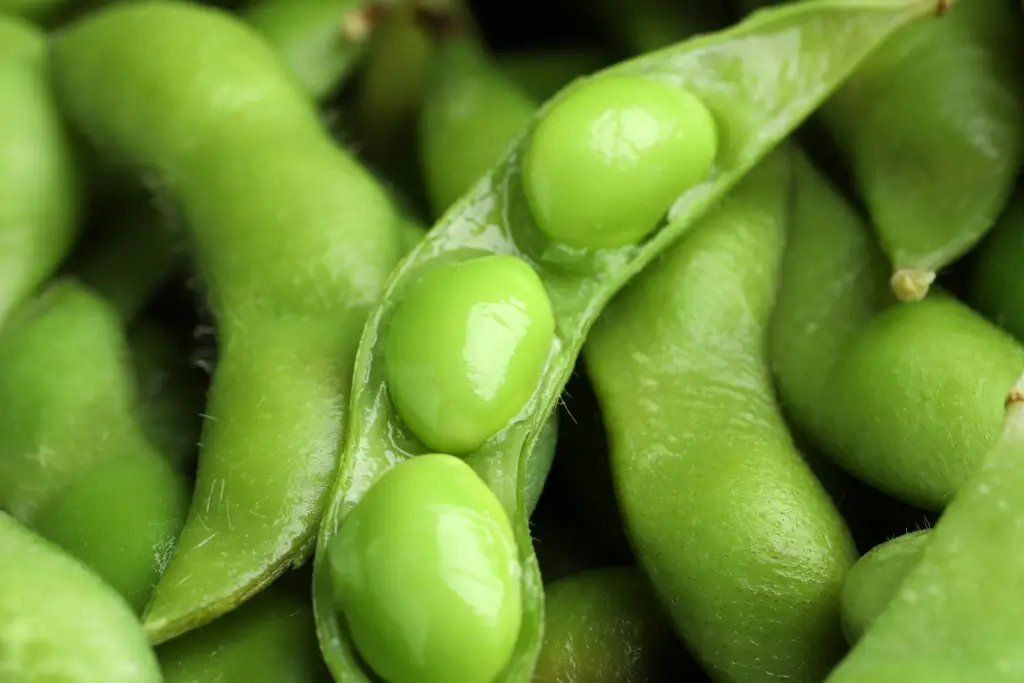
x,y
907,398
606,626
759,110
293,241
994,279
875,580
59,622
426,531
741,542
41,188
270,639
956,616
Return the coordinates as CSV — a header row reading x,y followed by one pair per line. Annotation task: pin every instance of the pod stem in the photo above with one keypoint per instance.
x,y
911,284
129,262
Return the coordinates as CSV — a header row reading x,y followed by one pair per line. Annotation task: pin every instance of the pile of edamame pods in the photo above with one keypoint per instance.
x,y
594,341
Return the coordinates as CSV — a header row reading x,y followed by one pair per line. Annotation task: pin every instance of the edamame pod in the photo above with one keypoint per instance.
x,y
293,240
930,127
908,397
994,279
102,492
41,191
270,639
320,40
470,116
876,578
59,622
741,542
494,219
606,626
542,73
956,616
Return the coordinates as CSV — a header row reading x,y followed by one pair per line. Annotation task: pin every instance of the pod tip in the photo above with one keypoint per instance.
x,y
1016,394
911,284
943,6
357,25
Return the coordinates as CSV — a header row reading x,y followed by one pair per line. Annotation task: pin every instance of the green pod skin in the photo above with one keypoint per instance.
x,y
875,580
606,626
38,11
321,41
956,616
103,492
171,391
779,89
542,73
59,622
930,128
907,398
293,240
42,193
270,639
993,285
470,115
740,540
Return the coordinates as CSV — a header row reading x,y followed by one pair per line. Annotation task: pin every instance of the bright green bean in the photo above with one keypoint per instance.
x,y
956,616
41,189
781,84
59,623
876,578
741,542
907,398
293,241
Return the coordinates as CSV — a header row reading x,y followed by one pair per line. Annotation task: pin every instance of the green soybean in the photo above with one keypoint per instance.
x,y
606,626
956,616
41,189
443,608
641,141
270,639
465,350
470,115
59,622
758,109
994,278
293,241
321,41
541,73
741,542
907,398
876,578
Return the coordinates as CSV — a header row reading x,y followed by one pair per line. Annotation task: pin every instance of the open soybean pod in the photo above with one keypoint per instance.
x,y
751,85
